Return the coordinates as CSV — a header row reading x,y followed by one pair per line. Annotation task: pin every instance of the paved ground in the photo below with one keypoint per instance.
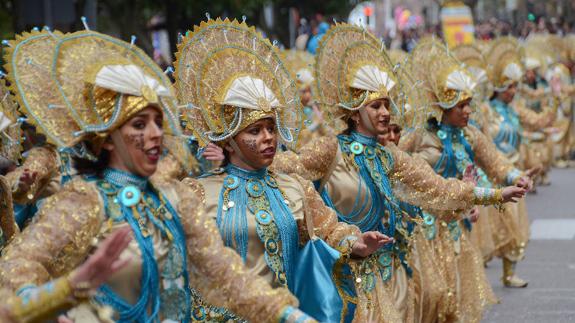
x,y
549,265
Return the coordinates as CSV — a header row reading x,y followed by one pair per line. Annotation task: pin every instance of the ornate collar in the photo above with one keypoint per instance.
x,y
123,179
246,174
363,139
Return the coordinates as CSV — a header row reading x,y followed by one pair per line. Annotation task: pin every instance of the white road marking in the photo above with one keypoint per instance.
x,y
553,229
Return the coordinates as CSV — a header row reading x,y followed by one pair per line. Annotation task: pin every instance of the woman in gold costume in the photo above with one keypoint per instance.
x,y
509,118
496,232
366,183
109,102
245,100
450,147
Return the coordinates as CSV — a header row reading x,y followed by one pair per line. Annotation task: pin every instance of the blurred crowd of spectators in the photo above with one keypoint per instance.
x,y
311,30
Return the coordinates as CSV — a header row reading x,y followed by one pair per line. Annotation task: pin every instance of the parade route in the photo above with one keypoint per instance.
x,y
549,265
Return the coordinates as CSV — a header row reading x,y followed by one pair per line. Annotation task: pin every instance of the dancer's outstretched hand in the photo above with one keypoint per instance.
x,y
513,193
104,262
370,242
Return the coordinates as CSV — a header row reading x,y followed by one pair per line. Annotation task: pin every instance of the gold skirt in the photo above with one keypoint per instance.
x,y
482,235
429,286
386,301
461,265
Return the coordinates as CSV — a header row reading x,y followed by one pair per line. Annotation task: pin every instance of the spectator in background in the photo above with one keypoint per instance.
x,y
322,28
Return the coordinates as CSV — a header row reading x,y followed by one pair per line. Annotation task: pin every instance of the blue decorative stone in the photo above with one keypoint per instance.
x,y
441,134
263,217
231,182
129,196
255,188
356,148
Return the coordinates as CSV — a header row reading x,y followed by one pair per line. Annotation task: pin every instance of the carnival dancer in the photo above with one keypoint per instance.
x,y
450,146
510,118
245,100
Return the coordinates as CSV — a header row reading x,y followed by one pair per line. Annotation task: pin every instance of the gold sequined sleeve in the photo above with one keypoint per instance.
x,y
338,235
410,141
169,168
218,272
487,156
43,161
532,94
531,120
313,161
46,302
415,182
58,241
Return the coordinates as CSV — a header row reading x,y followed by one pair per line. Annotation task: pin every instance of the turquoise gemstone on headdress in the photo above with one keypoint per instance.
x,y
129,195
356,148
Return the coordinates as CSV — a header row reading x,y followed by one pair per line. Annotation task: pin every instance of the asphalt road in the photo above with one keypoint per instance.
x,y
549,265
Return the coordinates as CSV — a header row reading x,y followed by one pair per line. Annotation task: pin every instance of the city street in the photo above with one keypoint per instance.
x,y
550,262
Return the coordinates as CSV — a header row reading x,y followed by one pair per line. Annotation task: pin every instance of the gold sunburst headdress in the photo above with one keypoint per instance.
x,y
79,87
410,113
230,76
444,79
351,69
10,131
504,63
471,55
300,65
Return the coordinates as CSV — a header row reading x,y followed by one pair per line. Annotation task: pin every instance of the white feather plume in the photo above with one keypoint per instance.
x,y
128,79
532,63
371,78
479,74
461,81
5,122
247,92
305,76
513,72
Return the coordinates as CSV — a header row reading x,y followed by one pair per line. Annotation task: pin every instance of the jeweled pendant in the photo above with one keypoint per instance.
x,y
356,148
129,196
441,134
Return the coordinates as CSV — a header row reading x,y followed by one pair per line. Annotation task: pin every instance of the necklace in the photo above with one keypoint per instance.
x,y
258,192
